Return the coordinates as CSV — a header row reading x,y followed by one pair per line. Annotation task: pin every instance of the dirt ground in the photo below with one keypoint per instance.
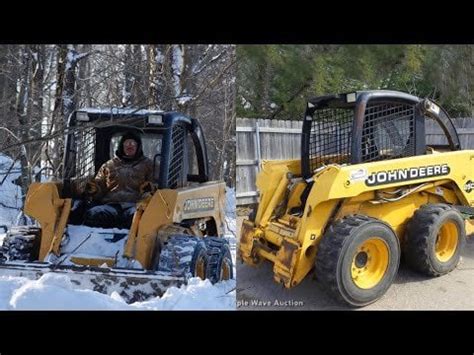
x,y
256,289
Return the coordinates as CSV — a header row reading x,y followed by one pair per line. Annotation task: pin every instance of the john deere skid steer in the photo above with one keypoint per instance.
x,y
177,229
366,189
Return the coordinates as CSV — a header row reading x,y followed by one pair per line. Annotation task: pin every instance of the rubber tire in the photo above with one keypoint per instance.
x,y
253,213
181,253
218,252
22,243
336,252
155,261
420,239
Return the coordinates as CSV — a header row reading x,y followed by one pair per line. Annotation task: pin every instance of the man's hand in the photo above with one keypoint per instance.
x,y
91,188
147,187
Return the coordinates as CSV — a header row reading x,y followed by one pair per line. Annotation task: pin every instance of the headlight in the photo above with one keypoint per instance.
x,y
82,116
351,97
155,119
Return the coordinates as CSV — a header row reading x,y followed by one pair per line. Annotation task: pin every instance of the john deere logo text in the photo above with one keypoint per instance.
x,y
199,204
391,176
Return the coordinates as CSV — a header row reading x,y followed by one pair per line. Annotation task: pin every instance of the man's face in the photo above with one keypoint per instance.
x,y
130,147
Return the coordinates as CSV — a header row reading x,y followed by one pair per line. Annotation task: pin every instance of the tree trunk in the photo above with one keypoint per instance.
x,y
57,118
35,103
177,68
129,79
23,119
140,87
83,85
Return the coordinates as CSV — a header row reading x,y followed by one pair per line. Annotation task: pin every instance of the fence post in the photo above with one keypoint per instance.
x,y
257,143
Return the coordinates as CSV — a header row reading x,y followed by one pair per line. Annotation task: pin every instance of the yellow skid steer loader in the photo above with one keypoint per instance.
x,y
366,189
177,229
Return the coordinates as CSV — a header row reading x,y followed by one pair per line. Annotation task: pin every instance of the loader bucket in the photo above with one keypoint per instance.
x,y
132,285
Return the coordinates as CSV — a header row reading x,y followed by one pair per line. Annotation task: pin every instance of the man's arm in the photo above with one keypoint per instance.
x,y
97,187
148,185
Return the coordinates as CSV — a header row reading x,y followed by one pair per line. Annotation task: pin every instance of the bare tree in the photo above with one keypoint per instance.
x,y
41,85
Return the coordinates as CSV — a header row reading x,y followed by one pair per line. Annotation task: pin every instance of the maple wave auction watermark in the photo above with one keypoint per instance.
x,y
270,303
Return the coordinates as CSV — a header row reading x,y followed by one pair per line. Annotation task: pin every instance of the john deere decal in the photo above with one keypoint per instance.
x,y
390,176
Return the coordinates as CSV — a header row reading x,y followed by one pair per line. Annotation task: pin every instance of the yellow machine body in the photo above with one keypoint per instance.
x,y
290,242
157,216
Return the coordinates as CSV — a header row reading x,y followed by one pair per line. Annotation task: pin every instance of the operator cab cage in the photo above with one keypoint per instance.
x,y
169,139
367,126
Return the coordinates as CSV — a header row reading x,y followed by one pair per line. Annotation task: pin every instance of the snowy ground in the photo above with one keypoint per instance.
x,y
55,291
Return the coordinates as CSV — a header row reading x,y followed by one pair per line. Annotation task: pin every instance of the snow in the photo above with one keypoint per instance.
x,y
195,295
119,111
182,100
10,194
57,292
159,57
53,291
177,66
87,242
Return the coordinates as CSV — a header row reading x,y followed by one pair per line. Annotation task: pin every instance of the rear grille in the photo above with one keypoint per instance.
x,y
175,176
388,132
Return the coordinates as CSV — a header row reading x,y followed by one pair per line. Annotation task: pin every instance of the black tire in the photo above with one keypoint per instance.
x,y
155,261
22,243
339,256
253,213
220,266
184,255
421,238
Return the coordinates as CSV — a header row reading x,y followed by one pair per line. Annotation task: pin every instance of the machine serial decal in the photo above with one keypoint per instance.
x,y
469,186
391,176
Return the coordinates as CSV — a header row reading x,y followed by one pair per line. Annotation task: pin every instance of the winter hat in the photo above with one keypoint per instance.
x,y
136,137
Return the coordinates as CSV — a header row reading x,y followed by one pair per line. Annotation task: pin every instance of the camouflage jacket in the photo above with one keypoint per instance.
x,y
120,181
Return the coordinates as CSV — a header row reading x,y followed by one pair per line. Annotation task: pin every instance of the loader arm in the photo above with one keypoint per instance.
x,y
44,204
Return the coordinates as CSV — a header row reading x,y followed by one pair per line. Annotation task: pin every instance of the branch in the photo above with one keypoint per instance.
x,y
294,96
213,82
213,59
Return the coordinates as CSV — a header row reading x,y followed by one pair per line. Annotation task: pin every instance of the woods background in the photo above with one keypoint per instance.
x,y
40,85
274,81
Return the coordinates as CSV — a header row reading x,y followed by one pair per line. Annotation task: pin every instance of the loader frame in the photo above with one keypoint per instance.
x,y
358,105
103,124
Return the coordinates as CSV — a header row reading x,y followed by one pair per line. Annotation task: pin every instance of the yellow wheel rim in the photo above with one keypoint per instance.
x,y
225,271
446,241
370,263
201,269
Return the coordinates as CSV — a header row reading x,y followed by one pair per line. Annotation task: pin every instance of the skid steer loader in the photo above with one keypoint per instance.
x,y
366,189
177,229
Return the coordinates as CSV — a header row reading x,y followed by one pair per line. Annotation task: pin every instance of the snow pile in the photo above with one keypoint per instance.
x,y
230,212
10,194
197,294
56,292
87,242
230,224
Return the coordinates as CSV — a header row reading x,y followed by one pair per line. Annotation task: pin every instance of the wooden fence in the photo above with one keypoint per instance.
x,y
259,139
